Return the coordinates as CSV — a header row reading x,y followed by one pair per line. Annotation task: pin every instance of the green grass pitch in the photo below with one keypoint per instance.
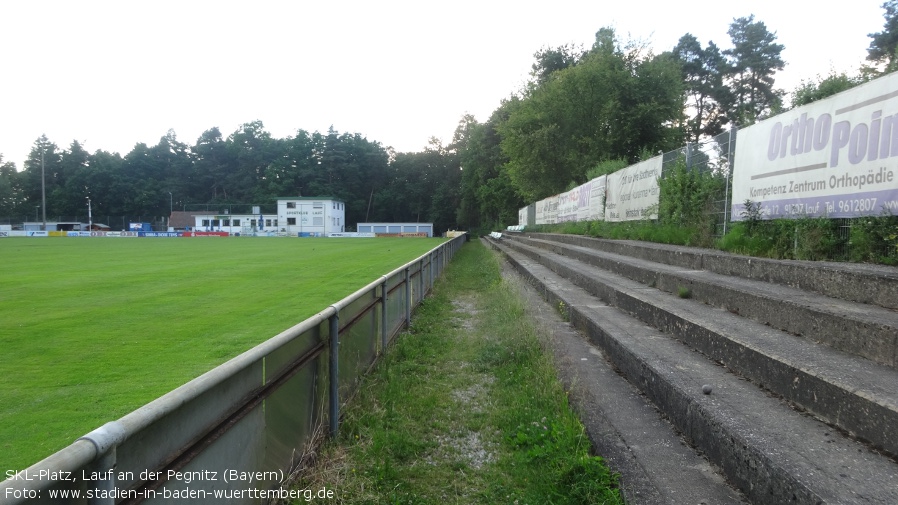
x,y
91,329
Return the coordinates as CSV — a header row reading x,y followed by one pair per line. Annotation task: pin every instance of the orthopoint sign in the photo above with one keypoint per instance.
x,y
837,157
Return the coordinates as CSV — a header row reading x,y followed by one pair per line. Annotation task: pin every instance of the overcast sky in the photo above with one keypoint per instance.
x,y
111,74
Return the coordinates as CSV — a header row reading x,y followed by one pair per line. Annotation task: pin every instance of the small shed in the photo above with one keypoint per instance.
x,y
397,229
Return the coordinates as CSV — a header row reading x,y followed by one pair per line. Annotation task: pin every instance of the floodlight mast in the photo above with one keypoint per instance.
x,y
43,190
90,218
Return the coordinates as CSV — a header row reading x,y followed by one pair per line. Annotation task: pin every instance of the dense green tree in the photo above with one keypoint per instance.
x,y
11,197
69,197
424,187
290,173
550,60
352,169
883,47
252,149
248,167
446,195
614,103
141,178
488,199
213,162
175,159
813,90
753,60
106,185
652,105
706,95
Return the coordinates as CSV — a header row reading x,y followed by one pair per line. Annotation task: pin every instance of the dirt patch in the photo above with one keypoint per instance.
x,y
467,447
466,312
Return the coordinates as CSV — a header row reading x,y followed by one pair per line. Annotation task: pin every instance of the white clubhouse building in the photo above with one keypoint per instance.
x,y
297,216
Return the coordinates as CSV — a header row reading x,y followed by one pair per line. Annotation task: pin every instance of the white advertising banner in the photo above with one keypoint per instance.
x,y
591,206
632,193
837,157
567,205
547,210
522,217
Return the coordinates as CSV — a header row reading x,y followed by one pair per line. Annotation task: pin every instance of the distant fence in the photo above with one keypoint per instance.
x,y
234,434
117,223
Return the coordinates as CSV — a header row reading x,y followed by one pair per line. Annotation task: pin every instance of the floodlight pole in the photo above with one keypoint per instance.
x,y
43,190
90,217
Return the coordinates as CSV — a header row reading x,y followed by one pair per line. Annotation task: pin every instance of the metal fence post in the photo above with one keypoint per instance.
x,y
408,298
421,287
105,466
383,317
334,364
726,195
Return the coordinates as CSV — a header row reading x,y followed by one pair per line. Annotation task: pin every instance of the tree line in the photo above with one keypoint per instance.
x,y
591,111
583,113
249,166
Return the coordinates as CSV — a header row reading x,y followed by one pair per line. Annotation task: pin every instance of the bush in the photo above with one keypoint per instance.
x,y
687,200
875,239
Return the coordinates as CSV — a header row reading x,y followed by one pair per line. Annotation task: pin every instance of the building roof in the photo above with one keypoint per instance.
x,y
310,198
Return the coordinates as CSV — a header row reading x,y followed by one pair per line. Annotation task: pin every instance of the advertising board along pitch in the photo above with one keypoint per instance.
x,y
837,157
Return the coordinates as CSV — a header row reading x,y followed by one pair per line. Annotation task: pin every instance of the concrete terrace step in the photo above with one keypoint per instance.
x,y
873,284
629,432
866,330
846,391
770,451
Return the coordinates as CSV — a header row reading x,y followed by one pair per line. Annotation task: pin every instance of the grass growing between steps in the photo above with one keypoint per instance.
x,y
465,408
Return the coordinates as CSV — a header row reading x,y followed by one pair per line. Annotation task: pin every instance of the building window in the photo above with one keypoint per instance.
x,y
216,222
291,205
252,222
236,222
318,221
268,223
291,221
317,205
227,222
205,222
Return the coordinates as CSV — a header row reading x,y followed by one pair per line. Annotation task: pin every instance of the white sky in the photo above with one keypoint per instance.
x,y
111,74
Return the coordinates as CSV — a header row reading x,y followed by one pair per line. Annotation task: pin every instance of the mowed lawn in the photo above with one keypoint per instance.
x,y
91,329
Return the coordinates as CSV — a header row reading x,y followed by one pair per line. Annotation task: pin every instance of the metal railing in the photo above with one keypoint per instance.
x,y
233,434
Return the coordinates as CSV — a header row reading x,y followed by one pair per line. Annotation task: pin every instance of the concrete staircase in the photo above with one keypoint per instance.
x,y
801,359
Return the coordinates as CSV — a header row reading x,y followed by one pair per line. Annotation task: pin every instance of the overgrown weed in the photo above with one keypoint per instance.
x,y
460,412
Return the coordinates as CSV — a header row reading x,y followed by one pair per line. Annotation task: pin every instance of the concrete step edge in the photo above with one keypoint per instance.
x,y
864,283
847,392
656,465
864,330
755,444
